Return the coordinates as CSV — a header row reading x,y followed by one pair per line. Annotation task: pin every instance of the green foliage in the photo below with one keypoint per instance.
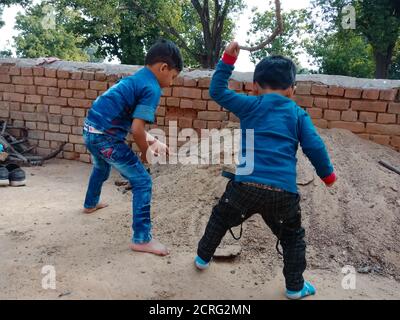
x,y
41,36
289,44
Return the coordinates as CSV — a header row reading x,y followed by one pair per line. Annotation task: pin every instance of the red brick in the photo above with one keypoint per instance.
x,y
25,89
319,90
27,72
82,103
22,80
80,148
214,125
178,81
42,108
33,99
386,118
50,73
339,104
394,108
42,126
367,117
212,115
28,107
387,129
235,85
372,106
187,82
320,123
304,101
77,130
160,111
54,92
315,113
63,74
213,106
100,76
336,91
45,82
79,94
69,120
4,113
4,69
332,115
350,116
388,95
50,136
303,89
85,158
55,109
38,71
76,75
204,83
88,75
62,83
7,87
36,134
371,94
183,92
205,95
321,103
54,127
78,84
5,78
91,94
200,105
67,111
17,97
42,90
173,102
14,71
160,121
78,112
395,142
200,124
98,85
67,93
76,139
356,127
186,104
185,122
60,101
353,93
384,140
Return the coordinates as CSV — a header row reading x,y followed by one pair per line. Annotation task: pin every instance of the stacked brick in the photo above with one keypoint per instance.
x,y
52,103
372,114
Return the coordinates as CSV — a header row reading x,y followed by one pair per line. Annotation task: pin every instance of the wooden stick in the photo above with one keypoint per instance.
x,y
390,167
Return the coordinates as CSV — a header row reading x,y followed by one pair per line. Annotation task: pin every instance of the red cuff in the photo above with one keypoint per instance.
x,y
228,59
330,179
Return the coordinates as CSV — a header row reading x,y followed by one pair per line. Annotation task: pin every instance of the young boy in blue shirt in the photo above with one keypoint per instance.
x,y
279,126
124,108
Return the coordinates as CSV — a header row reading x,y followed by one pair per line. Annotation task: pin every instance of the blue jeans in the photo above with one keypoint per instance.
x,y
110,152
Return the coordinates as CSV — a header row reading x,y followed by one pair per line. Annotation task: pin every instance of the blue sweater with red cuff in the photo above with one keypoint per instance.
x,y
277,126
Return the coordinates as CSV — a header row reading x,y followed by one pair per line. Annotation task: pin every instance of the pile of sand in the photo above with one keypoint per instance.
x,y
355,223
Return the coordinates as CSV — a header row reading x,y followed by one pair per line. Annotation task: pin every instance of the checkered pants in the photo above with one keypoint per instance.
x,y
281,212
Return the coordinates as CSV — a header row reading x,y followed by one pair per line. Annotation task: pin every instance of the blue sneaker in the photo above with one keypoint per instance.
x,y
201,264
308,290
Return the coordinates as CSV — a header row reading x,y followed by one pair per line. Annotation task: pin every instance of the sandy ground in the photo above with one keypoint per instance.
x,y
356,223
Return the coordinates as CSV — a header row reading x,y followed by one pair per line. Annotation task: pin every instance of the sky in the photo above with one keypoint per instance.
x,y
244,64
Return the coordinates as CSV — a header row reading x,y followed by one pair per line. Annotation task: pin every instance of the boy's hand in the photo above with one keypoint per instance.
x,y
233,49
330,180
159,148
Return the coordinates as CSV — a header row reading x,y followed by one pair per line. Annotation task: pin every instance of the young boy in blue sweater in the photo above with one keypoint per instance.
x,y
124,108
279,126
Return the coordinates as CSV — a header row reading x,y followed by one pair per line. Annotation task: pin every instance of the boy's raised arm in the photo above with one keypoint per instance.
x,y
239,104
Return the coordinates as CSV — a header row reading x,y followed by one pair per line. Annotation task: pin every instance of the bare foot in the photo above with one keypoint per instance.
x,y
98,207
153,246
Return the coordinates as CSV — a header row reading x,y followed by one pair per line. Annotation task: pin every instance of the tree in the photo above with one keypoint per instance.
x,y
378,22
345,53
295,24
41,36
212,16
7,3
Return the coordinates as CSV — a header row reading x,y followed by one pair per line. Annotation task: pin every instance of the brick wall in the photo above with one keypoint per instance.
x,y
52,102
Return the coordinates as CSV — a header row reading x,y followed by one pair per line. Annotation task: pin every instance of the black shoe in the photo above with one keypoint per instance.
x,y
16,175
4,177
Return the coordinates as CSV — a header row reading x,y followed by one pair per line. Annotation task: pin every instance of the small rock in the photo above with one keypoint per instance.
x,y
366,269
233,271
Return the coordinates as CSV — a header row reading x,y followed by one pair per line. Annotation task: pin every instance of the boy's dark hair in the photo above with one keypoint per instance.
x,y
165,51
276,73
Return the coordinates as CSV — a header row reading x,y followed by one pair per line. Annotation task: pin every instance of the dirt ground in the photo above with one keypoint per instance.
x,y
356,223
